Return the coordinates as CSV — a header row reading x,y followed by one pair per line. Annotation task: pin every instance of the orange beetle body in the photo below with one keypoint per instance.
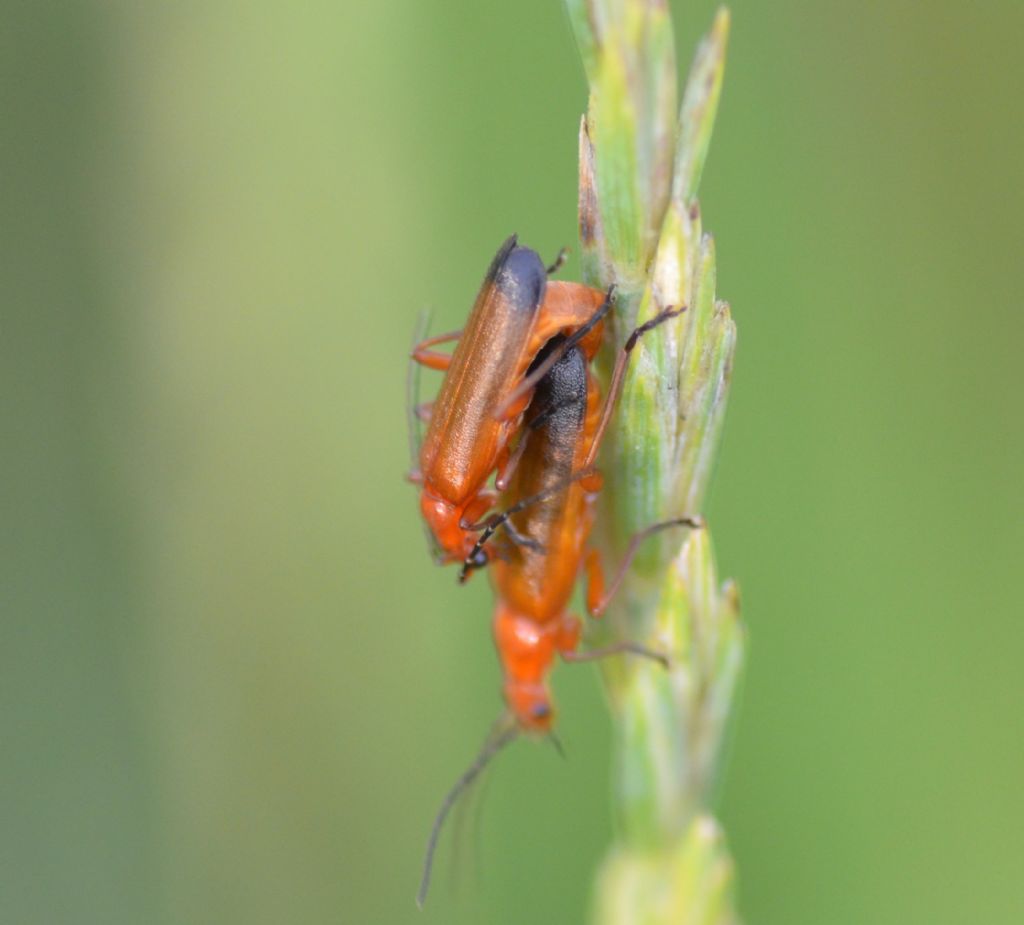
x,y
534,580
477,410
549,498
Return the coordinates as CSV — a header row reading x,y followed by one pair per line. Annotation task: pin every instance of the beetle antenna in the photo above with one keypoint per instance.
x,y
412,388
493,745
491,524
415,431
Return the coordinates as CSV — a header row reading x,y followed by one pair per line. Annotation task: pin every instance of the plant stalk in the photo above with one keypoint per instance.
x,y
641,157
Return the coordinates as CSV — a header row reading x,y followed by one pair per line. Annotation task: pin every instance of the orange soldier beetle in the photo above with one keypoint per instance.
x,y
552,495
486,388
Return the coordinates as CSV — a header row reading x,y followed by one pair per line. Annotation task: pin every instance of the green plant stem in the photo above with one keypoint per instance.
x,y
641,159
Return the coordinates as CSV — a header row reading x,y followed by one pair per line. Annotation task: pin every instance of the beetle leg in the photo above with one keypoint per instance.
x,y
617,648
507,463
567,636
521,539
559,261
598,602
568,639
595,582
514,407
476,509
618,376
434,359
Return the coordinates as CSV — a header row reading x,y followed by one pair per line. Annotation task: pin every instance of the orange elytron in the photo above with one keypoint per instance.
x,y
478,409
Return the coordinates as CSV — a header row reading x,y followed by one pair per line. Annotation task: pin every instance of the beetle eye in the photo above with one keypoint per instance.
x,y
541,710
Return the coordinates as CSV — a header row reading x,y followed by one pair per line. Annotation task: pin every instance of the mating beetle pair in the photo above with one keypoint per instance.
x,y
519,402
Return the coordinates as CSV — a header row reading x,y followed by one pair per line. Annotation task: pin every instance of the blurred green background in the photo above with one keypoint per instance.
x,y
233,688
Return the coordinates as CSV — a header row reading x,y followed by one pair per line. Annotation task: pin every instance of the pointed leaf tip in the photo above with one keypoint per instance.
x,y
700,105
